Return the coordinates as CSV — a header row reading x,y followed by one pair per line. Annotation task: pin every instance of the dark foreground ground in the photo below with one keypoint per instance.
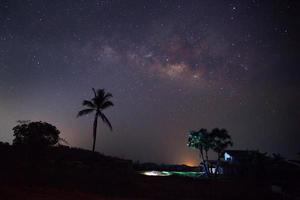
x,y
67,173
146,188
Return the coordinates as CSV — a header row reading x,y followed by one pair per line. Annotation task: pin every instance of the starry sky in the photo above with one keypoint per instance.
x,y
172,66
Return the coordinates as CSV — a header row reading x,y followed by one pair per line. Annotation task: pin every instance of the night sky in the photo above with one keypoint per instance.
x,y
172,66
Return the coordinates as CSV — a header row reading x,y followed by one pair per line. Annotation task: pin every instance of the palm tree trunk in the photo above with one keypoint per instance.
x,y
95,131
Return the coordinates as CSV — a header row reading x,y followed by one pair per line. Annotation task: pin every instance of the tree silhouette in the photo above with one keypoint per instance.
x,y
200,140
97,104
35,134
221,140
217,140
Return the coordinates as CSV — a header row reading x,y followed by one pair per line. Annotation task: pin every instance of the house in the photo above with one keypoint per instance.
x,y
212,166
238,156
254,164
239,162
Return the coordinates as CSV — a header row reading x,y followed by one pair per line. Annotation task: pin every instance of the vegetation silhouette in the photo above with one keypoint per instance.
x,y
97,104
221,140
199,140
277,157
71,168
217,140
66,167
35,134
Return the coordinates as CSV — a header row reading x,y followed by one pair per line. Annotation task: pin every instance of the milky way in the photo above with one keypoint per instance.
x,y
172,66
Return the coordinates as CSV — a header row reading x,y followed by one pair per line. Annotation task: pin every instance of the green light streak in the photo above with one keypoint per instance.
x,y
170,173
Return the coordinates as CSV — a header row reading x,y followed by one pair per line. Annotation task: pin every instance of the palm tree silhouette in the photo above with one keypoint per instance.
x,y
97,104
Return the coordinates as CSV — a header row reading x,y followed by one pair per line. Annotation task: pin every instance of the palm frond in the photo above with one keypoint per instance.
x,y
85,112
96,101
105,120
107,104
94,91
88,104
100,93
108,95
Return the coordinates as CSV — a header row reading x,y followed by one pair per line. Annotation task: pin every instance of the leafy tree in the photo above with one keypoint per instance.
x,y
207,142
200,140
217,140
221,140
97,104
35,134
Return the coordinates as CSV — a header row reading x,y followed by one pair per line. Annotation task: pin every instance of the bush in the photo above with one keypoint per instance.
x,y
35,134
